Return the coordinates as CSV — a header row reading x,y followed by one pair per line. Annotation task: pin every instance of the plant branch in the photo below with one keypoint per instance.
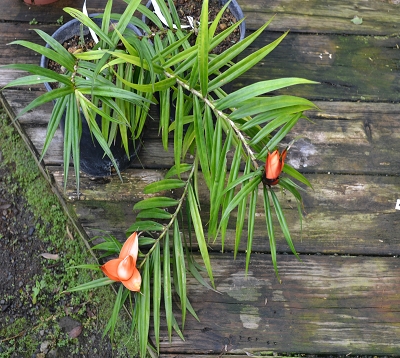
x,y
172,220
221,114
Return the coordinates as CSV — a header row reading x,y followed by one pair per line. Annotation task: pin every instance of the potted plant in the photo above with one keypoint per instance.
x,y
234,139
88,98
92,159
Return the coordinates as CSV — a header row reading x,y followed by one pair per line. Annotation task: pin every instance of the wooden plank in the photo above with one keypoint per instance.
x,y
343,141
325,305
331,16
342,209
346,137
349,68
20,31
18,11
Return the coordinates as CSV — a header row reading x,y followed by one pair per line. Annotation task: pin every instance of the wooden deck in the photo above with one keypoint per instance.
x,y
344,297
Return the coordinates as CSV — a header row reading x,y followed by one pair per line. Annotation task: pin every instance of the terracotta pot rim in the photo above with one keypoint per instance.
x,y
39,2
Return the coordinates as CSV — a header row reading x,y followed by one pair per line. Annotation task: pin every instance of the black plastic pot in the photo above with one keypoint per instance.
x,y
93,161
233,7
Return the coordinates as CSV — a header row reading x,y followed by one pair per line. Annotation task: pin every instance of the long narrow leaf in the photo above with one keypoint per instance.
x,y
203,43
235,98
242,66
59,110
46,97
201,142
156,202
216,190
276,139
236,49
246,190
296,175
147,225
183,168
87,21
165,184
282,222
241,212
228,195
62,52
92,284
178,132
167,285
198,228
180,266
156,262
270,230
37,71
144,313
256,105
125,19
250,226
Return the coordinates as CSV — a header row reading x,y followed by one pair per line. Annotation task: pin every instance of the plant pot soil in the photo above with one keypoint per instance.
x,y
193,8
93,161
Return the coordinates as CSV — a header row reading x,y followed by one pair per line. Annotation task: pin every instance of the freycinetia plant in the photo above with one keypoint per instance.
x,y
88,90
234,142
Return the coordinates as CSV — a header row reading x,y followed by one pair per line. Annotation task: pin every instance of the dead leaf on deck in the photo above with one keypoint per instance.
x,y
357,20
75,332
46,255
69,234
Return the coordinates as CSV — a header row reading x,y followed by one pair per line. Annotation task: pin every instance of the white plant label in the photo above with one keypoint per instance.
x,y
159,14
92,33
397,204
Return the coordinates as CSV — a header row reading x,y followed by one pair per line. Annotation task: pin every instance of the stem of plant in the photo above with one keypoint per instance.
x,y
221,114
172,220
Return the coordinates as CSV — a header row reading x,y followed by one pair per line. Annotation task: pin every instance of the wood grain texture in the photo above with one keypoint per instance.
x,y
330,16
18,11
325,304
340,210
349,68
343,137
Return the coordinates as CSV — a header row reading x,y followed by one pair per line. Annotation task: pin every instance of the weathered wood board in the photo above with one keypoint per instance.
x,y
349,68
333,16
325,304
341,209
343,137
18,11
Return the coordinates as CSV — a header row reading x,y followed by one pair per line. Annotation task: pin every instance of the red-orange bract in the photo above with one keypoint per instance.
x,y
123,269
274,165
